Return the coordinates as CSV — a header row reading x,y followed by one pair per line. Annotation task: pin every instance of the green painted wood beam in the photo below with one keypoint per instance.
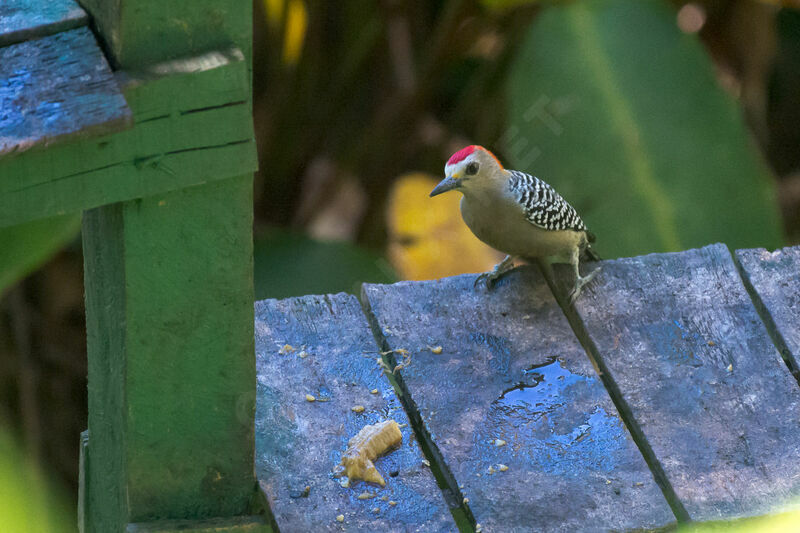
x,y
169,298
193,125
246,524
143,32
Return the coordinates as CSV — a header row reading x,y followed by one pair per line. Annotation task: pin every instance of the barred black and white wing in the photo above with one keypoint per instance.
x,y
543,206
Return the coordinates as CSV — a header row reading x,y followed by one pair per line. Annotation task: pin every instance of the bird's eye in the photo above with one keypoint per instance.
x,y
472,169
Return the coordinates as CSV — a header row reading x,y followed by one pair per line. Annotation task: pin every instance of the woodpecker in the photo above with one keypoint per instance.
x,y
517,214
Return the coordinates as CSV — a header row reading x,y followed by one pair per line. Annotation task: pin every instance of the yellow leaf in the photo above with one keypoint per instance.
x,y
274,11
296,25
427,238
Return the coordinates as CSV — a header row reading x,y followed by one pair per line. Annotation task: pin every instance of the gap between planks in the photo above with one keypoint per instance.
x,y
624,410
753,298
444,476
766,318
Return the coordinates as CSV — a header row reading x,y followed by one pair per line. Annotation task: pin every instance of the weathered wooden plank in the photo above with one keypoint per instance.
x,y
298,443
160,98
681,340
23,20
773,281
57,87
179,141
511,369
143,32
169,292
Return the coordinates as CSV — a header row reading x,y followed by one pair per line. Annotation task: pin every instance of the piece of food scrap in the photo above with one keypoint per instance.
x,y
368,444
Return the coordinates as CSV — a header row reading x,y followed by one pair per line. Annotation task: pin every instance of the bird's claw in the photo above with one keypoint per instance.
x,y
487,278
579,284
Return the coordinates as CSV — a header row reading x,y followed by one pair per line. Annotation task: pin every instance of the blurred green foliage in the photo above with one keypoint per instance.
x,y
290,264
27,246
787,522
622,114
508,4
28,504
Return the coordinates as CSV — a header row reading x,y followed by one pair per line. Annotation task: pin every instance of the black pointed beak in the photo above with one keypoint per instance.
x,y
447,184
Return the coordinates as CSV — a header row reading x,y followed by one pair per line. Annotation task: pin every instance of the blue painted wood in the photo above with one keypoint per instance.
x,y
57,87
511,369
23,20
298,443
682,341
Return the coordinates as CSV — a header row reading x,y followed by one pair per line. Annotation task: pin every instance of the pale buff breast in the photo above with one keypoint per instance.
x,y
501,224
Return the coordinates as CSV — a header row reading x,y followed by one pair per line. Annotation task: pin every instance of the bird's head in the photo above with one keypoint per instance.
x,y
470,169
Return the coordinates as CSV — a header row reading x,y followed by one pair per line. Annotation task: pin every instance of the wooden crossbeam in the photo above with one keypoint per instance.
x,y
143,32
192,125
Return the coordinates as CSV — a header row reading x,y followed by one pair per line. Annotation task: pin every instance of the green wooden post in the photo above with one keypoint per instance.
x,y
169,295
160,156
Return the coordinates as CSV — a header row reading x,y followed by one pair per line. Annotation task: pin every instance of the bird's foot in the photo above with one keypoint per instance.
x,y
580,282
500,269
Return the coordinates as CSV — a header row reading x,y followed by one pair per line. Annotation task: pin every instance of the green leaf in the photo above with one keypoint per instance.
x,y
28,500
508,4
25,247
288,264
621,112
